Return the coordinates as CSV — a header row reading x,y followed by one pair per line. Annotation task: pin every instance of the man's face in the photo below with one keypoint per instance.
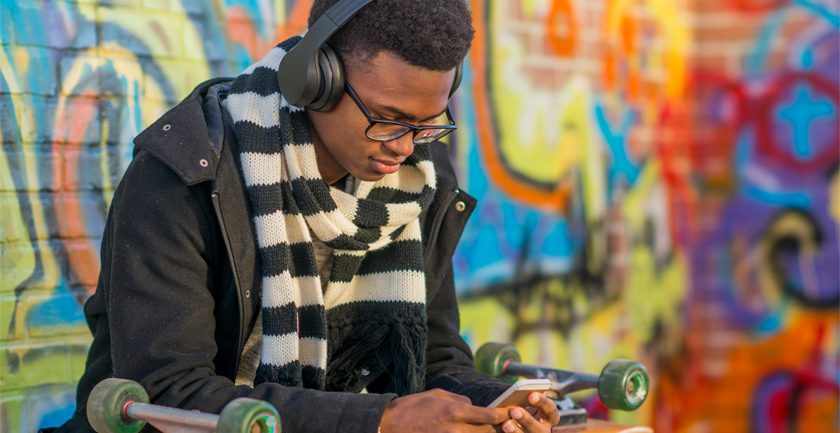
x,y
391,89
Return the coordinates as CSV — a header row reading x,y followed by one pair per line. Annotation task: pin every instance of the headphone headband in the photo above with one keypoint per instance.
x,y
342,11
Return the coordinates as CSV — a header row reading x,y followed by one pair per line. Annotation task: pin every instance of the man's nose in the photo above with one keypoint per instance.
x,y
402,146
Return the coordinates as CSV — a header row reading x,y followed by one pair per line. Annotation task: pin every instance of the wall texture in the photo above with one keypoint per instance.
x,y
658,180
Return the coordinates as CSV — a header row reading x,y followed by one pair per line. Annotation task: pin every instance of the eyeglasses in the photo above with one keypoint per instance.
x,y
387,130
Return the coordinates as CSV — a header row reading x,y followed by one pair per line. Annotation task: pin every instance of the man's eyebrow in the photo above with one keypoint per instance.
x,y
402,115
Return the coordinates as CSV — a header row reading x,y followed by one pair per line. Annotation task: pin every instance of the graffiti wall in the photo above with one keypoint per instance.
x,y
657,180
78,80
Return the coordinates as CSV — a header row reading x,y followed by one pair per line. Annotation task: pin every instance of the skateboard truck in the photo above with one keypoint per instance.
x,y
122,406
622,384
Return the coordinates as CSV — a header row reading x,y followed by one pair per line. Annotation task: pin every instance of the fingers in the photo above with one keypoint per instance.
x,y
461,410
522,422
525,421
480,415
510,426
547,407
439,393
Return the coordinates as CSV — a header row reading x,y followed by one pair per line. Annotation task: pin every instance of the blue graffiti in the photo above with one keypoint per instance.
x,y
801,113
502,232
821,11
744,167
622,167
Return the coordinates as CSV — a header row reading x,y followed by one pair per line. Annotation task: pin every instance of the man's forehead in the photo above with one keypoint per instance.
x,y
386,81
392,73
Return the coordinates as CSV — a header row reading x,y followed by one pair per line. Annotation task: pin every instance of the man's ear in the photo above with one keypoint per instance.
x,y
457,80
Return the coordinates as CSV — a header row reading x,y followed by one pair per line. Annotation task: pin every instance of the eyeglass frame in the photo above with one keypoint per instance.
x,y
411,128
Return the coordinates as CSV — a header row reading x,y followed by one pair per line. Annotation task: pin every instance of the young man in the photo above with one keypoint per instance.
x,y
298,256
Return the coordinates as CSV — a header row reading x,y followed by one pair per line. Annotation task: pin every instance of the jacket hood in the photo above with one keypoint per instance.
x,y
188,137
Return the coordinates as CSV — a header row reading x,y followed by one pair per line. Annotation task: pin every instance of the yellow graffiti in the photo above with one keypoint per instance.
x,y
671,59
543,127
173,41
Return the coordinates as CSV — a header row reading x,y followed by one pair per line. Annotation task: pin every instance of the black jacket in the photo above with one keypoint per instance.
x,y
178,292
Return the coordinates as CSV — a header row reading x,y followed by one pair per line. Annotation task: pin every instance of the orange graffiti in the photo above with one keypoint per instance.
x,y
621,53
241,29
69,132
621,58
803,350
562,28
555,199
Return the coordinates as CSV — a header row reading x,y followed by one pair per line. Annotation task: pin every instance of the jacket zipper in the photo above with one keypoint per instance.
x,y
218,209
439,221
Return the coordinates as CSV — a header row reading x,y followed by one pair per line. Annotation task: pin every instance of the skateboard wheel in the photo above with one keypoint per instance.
x,y
106,403
491,358
246,415
623,385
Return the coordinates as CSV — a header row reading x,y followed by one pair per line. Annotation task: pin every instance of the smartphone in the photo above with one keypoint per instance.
x,y
517,394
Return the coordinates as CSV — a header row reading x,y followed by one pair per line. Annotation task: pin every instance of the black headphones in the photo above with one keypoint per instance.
x,y
311,75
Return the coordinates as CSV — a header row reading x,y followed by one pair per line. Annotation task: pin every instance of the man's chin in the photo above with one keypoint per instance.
x,y
373,171
369,177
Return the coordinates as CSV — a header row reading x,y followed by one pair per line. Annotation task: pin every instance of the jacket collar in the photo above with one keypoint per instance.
x,y
180,138
188,138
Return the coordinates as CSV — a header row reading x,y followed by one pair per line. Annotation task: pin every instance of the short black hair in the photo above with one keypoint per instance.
x,y
431,34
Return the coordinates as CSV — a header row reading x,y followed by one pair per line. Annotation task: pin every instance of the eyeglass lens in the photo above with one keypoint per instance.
x,y
391,131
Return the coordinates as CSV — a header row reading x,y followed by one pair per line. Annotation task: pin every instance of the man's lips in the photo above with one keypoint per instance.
x,y
385,166
387,162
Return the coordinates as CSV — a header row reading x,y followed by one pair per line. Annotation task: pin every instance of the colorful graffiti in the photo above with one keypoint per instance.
x,y
643,195
657,179
77,82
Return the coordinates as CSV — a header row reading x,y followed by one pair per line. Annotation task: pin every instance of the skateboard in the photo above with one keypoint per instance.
x,y
622,385
122,406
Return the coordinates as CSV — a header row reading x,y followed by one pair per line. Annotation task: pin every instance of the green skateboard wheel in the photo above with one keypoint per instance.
x,y
246,415
623,385
106,402
491,358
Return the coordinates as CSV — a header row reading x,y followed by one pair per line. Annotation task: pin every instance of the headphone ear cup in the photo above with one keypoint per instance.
x,y
332,80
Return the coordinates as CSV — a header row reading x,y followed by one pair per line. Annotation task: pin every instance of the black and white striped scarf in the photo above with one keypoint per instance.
x,y
374,302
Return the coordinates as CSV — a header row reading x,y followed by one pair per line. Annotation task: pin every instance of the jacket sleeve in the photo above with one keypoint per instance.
x,y
449,359
159,267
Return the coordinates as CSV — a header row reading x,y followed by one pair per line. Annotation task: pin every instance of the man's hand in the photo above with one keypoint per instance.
x,y
539,420
439,411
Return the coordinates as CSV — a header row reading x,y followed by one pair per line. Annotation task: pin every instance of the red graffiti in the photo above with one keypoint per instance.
x,y
757,6
767,139
720,111
675,123
725,109
804,383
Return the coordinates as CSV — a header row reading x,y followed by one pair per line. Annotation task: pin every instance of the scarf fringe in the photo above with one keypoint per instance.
x,y
399,343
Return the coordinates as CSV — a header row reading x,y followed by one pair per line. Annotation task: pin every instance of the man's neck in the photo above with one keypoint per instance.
x,y
340,182
329,168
